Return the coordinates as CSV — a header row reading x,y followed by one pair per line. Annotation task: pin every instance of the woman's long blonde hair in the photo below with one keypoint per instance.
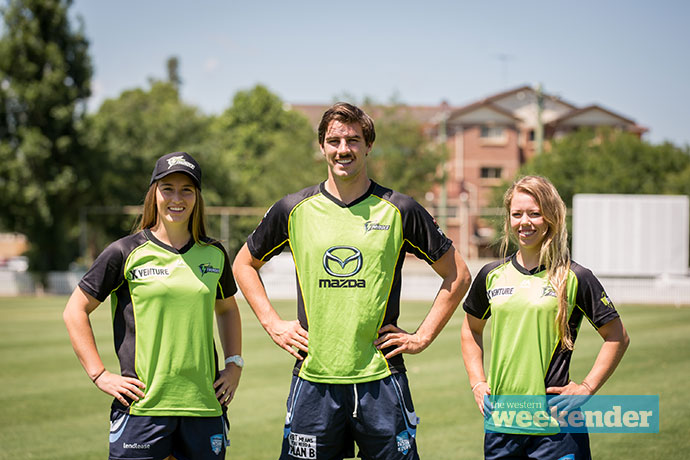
x,y
554,254
197,221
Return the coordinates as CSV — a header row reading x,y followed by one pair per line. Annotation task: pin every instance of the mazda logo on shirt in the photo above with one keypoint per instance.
x,y
342,262
348,258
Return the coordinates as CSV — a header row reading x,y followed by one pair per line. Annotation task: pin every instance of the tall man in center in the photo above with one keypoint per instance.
x,y
348,237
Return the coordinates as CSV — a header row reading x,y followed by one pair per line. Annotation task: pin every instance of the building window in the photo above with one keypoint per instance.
x,y
491,132
490,173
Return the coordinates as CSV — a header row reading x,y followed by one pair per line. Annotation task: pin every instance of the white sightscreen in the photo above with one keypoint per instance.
x,y
631,235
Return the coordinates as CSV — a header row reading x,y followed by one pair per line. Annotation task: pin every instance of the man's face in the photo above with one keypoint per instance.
x,y
345,150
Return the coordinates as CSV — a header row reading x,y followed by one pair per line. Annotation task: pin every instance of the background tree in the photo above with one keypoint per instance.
x,y
262,151
45,73
606,161
402,157
678,182
252,154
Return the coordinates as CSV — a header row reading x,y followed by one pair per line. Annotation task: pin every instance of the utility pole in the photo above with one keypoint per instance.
x,y
503,59
539,129
443,199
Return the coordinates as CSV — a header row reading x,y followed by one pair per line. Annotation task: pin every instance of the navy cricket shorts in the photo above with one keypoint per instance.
x,y
144,437
324,421
561,446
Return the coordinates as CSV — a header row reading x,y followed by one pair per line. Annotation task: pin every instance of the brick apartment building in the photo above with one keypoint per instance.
x,y
487,142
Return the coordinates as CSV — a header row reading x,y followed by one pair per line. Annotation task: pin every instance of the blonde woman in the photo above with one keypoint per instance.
x,y
165,281
537,299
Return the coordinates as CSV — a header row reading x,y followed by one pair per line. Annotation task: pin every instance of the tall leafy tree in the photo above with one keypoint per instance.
x,y
263,151
252,154
403,158
45,73
607,161
269,150
678,182
135,129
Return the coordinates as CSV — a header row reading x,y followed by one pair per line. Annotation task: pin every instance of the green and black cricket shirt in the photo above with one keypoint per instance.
x,y
348,260
163,303
526,354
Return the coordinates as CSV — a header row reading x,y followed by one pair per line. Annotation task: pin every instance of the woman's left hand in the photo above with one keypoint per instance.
x,y
569,397
227,383
571,388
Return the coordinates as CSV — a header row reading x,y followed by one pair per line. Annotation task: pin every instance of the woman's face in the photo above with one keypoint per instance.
x,y
175,198
527,222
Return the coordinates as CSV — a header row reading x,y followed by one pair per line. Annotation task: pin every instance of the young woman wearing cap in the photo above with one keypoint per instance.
x,y
537,299
165,281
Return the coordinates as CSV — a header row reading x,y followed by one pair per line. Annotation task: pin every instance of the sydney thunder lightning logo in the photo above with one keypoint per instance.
x,y
548,291
179,161
370,225
208,268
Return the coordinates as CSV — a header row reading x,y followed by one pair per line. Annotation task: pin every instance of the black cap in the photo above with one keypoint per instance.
x,y
177,162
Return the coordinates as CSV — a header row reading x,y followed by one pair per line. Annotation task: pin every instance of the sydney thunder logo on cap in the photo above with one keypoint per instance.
x,y
172,161
177,162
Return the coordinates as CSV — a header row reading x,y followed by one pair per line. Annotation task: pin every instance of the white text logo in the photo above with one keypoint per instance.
x,y
179,161
147,272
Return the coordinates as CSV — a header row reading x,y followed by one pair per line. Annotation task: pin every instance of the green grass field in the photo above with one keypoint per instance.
x,y
51,410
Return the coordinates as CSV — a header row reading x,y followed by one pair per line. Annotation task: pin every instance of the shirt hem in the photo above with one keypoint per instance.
x,y
176,412
345,380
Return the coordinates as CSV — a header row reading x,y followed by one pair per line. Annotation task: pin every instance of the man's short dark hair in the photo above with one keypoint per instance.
x,y
347,113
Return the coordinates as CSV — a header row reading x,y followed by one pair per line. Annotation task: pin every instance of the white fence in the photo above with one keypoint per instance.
x,y
631,235
420,282
16,283
662,290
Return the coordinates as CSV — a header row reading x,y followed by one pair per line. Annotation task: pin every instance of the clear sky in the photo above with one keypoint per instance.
x,y
631,57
